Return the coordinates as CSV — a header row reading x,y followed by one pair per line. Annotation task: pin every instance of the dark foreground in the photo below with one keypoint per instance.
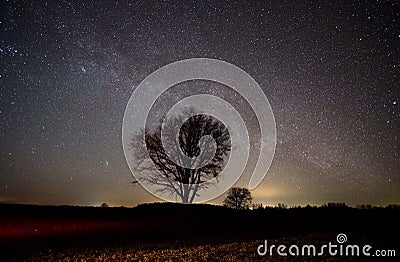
x,y
170,232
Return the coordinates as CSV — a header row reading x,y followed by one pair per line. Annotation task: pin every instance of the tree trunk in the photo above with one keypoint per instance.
x,y
185,197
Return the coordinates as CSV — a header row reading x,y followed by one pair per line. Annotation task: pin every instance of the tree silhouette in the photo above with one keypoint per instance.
x,y
238,198
191,176
282,206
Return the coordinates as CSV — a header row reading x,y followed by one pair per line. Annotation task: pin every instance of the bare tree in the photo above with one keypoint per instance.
x,y
190,177
238,198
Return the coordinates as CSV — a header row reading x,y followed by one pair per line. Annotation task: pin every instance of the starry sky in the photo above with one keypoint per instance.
x,y
330,70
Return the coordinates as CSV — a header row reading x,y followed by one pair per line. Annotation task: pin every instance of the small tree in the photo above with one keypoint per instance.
x,y
258,206
238,198
282,206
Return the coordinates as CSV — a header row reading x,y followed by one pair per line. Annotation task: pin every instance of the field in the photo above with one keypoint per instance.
x,y
168,232
236,251
185,251
164,252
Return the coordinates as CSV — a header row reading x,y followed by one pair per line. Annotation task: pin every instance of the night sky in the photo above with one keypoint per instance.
x,y
330,70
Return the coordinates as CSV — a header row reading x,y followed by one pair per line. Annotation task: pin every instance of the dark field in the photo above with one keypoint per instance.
x,y
170,232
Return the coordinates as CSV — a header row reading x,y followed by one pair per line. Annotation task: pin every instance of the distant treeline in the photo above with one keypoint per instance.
x,y
326,205
166,205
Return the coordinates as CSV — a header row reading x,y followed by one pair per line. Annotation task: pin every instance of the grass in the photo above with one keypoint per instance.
x,y
234,251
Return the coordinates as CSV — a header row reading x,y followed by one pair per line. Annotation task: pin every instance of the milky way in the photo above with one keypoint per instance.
x,y
330,70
